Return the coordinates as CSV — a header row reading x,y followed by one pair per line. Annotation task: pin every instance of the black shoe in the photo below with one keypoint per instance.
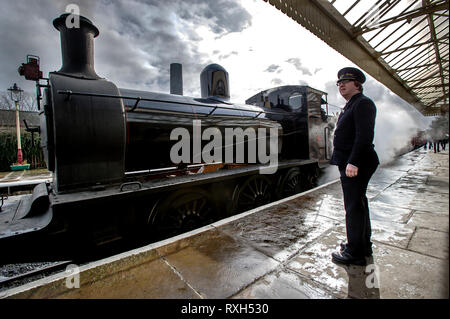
x,y
347,259
368,252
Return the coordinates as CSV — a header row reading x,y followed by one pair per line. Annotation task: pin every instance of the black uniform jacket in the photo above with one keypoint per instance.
x,y
354,134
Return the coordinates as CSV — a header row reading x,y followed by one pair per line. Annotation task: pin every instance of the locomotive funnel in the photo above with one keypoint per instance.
x,y
77,45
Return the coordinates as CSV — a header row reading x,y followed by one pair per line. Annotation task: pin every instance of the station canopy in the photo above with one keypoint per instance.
x,y
404,44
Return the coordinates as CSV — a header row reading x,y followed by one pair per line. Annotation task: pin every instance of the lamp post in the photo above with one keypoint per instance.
x,y
16,96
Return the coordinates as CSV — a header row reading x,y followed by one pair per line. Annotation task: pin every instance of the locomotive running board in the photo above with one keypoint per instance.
x,y
156,186
28,214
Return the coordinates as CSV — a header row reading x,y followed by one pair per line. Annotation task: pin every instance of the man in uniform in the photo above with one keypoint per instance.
x,y
355,156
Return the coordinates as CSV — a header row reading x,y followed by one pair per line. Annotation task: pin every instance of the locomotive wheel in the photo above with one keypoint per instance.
x,y
313,176
254,192
181,212
291,183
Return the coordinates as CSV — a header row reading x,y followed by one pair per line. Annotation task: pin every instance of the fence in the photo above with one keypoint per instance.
x,y
31,150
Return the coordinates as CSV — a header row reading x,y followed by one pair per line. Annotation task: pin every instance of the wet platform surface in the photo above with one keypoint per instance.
x,y
283,250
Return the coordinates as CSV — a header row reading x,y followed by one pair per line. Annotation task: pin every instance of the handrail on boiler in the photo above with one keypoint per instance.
x,y
69,93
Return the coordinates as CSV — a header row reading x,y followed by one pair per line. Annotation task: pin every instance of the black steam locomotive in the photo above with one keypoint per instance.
x,y
121,171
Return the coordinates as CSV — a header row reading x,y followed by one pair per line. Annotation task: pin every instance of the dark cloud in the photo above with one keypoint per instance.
x,y
273,68
298,65
138,38
225,56
24,29
222,16
276,81
302,82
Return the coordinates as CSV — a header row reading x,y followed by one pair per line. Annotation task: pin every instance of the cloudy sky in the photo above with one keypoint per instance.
x,y
258,45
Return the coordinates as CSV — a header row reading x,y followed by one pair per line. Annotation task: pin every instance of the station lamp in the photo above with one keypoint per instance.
x,y
16,96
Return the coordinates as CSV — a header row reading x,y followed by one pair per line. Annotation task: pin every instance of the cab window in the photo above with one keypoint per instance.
x,y
296,101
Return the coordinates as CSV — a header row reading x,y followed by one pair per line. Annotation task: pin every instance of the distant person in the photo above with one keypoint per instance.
x,y
436,145
355,156
443,143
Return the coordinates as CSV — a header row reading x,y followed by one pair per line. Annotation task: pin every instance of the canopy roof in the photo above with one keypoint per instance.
x,y
404,44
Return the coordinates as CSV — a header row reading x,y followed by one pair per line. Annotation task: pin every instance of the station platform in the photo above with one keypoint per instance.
x,y
283,250
16,181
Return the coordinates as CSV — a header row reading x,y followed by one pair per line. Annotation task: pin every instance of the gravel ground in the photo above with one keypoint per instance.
x,y
11,270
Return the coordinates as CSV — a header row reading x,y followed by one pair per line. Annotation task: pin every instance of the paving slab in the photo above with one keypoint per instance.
x,y
152,280
218,266
338,280
433,203
430,242
396,197
435,222
284,284
386,175
288,232
405,274
315,262
142,275
389,213
394,234
438,184
332,207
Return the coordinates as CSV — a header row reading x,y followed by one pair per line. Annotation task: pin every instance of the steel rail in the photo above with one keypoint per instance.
x,y
34,272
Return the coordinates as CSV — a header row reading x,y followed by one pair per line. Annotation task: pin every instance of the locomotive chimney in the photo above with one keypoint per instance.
x,y
77,45
176,79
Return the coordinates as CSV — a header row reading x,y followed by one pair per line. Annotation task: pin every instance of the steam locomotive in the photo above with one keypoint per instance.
x,y
121,171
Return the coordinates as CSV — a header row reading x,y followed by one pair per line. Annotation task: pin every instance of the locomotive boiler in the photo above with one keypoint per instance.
x,y
111,151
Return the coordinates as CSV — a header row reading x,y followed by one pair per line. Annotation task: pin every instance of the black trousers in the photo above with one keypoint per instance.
x,y
357,218
436,146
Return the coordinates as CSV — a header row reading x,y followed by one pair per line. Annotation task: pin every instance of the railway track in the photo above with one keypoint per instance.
x,y
14,275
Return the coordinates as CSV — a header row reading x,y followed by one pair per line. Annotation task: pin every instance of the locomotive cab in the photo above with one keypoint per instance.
x,y
303,113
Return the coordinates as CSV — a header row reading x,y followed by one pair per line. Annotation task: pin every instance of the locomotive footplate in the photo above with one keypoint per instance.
x,y
25,214
23,223
164,185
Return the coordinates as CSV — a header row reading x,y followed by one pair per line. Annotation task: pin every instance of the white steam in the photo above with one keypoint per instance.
x,y
397,123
